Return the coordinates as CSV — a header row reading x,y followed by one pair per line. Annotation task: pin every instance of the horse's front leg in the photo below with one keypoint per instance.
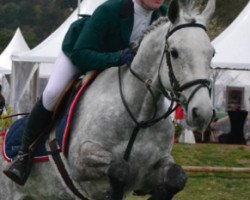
x,y
97,163
119,177
165,179
92,162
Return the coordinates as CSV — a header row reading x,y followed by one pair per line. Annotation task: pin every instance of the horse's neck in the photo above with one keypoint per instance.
x,y
146,65
138,97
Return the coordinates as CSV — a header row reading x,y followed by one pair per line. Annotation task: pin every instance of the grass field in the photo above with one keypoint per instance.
x,y
216,186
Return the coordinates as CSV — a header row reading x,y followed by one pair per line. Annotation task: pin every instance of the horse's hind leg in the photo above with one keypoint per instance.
x,y
165,179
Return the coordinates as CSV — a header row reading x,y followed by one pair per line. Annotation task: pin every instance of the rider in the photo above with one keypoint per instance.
x,y
102,43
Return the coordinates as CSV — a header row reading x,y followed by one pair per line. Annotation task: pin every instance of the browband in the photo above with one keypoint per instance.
x,y
184,26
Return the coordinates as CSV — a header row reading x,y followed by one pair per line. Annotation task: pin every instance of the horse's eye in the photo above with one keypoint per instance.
x,y
174,53
214,53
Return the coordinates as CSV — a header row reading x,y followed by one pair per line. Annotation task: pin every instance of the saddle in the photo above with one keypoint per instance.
x,y
69,93
60,121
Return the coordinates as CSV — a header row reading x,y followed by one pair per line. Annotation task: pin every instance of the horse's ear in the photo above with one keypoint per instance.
x,y
174,10
208,11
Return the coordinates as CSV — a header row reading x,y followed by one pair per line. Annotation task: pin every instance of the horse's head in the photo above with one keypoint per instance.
x,y
188,54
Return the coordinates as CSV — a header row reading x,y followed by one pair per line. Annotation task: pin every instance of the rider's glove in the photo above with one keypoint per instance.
x,y
126,56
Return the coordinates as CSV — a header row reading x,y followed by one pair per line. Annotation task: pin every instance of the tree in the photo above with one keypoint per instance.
x,y
36,18
5,36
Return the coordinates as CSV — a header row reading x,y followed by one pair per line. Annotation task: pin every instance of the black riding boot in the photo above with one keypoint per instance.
x,y
38,121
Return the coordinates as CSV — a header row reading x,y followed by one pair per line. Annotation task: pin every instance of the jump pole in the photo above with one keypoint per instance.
x,y
209,169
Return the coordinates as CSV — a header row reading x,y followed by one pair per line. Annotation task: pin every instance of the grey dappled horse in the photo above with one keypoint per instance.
x,y
173,54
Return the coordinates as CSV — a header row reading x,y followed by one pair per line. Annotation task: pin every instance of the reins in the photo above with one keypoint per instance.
x,y
173,95
15,115
142,124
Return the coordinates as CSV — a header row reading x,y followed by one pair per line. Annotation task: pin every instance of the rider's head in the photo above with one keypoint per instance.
x,y
150,4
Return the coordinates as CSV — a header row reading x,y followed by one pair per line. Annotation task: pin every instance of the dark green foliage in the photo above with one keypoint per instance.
x,y
5,36
226,11
36,18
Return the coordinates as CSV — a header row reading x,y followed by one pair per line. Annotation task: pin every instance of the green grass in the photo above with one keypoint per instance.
x,y
206,187
212,154
217,186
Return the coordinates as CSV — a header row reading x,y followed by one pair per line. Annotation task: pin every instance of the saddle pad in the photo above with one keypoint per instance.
x,y
12,138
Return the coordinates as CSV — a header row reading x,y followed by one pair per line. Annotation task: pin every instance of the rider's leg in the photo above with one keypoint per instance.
x,y
40,116
62,74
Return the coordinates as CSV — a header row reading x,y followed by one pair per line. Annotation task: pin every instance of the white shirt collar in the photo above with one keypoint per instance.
x,y
141,11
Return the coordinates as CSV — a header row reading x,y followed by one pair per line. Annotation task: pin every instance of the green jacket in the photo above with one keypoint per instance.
x,y
97,46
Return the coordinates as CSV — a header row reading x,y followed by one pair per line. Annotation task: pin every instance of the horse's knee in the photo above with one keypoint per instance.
x,y
94,155
92,163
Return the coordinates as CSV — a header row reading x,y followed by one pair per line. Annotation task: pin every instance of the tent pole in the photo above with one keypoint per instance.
x,y
78,8
213,91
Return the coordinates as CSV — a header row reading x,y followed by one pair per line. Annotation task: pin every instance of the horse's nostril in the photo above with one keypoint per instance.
x,y
195,112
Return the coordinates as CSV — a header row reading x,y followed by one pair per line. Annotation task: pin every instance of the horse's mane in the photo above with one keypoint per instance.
x,y
189,12
154,25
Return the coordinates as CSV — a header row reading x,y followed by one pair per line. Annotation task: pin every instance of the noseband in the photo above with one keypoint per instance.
x,y
175,94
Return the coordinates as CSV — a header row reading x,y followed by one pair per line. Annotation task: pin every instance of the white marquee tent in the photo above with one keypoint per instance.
x,y
47,51
25,90
16,45
233,44
232,58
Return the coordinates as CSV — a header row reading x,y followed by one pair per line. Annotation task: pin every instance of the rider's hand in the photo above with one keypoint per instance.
x,y
127,56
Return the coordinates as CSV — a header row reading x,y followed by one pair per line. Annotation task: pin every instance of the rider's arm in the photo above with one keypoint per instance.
x,y
94,48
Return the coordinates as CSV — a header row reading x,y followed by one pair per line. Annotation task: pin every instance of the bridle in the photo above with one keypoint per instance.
x,y
174,95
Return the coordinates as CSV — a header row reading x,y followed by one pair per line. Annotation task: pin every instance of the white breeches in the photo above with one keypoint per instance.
x,y
62,74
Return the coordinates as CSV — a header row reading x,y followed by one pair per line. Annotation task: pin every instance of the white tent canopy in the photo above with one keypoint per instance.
x,y
44,54
47,51
27,65
232,46
16,45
